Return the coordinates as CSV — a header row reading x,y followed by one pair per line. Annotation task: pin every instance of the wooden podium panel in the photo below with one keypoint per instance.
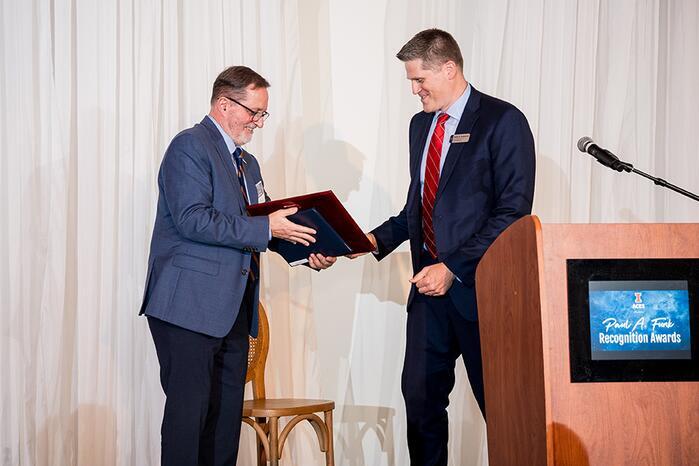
x,y
536,416
513,351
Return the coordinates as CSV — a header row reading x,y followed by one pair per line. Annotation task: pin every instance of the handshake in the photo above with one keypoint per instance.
x,y
432,280
284,229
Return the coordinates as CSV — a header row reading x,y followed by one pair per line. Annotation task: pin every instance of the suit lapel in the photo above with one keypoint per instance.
x,y
250,178
226,160
422,127
417,146
468,119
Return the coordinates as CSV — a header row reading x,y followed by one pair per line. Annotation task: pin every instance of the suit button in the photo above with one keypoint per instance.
x,y
244,272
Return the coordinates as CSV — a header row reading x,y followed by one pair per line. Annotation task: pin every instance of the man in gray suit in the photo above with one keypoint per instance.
x,y
202,287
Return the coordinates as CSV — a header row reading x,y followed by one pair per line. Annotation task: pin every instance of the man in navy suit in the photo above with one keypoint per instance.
x,y
471,175
202,287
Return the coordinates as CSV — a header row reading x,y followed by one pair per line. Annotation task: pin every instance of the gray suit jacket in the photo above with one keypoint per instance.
x,y
203,239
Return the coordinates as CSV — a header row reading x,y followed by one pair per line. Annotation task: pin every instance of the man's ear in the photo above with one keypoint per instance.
x,y
220,104
450,68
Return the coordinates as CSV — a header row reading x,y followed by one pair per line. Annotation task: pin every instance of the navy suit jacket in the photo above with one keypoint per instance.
x,y
203,239
486,184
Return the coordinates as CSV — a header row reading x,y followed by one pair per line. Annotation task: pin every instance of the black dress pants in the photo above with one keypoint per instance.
x,y
203,378
437,334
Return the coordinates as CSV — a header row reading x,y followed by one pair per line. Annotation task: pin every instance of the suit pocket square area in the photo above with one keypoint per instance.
x,y
197,264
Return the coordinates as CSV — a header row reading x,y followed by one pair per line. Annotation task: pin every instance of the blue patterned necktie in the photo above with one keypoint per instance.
x,y
237,156
239,167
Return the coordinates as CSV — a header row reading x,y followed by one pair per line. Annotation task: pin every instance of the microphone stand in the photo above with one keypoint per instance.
x,y
618,165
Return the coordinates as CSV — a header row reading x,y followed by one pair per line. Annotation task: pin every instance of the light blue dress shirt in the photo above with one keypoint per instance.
x,y
230,144
454,111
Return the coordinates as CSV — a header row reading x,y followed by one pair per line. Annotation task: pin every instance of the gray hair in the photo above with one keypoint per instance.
x,y
235,80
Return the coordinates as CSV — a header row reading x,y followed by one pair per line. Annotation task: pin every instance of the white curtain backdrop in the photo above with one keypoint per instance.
x,y
92,92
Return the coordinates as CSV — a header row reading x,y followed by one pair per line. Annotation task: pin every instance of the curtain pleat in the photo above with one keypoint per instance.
x,y
92,93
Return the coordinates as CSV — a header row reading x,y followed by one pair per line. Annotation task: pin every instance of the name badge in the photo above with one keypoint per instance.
x,y
260,192
459,138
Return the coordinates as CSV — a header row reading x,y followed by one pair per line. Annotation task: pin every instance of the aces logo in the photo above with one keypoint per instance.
x,y
638,302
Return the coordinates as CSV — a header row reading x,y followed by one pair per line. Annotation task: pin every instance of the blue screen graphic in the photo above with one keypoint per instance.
x,y
639,320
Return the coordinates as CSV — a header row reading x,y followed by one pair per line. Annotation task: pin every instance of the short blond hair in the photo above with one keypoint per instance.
x,y
434,47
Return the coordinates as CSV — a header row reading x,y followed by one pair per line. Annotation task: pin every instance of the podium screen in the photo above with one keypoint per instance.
x,y
639,320
633,320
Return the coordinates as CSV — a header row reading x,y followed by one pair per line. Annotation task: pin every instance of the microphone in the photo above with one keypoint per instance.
x,y
610,160
603,156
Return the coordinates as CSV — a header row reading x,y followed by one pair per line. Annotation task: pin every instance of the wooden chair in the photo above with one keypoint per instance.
x,y
263,414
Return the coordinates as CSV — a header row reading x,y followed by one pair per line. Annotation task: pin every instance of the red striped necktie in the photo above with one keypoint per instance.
x,y
429,190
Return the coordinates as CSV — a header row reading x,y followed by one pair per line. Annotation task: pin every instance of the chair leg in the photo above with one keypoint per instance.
x,y
261,458
274,441
330,453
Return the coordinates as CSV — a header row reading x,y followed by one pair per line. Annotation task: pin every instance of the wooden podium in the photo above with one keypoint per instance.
x,y
536,416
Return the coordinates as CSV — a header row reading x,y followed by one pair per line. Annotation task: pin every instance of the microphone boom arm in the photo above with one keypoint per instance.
x,y
665,184
606,158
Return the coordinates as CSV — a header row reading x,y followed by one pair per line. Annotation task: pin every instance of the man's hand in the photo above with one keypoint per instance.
x,y
372,239
288,230
433,280
320,262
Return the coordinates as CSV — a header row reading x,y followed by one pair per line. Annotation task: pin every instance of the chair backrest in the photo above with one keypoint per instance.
x,y
257,355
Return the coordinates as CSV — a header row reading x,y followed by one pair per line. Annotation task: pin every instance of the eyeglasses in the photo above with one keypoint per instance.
x,y
256,116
